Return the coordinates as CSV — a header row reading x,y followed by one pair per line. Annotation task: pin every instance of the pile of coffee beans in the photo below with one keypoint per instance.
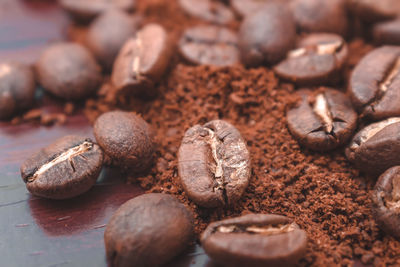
x,y
303,41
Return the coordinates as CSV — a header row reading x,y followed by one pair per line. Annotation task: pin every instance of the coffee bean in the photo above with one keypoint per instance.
x,y
126,139
214,164
386,201
17,88
387,32
375,148
65,169
255,240
142,61
323,120
210,45
249,7
148,230
372,11
375,83
85,11
209,10
108,33
267,36
69,71
321,16
319,59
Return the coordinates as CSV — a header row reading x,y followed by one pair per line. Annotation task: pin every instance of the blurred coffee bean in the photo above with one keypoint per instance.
x,y
85,10
374,85
249,7
108,33
321,16
17,88
376,147
148,230
319,59
255,240
214,164
210,45
386,201
323,120
209,10
65,169
267,35
126,139
387,32
373,11
142,61
69,71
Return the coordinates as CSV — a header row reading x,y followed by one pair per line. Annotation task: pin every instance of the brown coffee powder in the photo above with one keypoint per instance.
x,y
322,192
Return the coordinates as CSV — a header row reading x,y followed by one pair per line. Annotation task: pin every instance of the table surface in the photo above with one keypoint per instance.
x,y
40,232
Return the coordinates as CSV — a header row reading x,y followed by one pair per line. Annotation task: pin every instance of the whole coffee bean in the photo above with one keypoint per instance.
x,y
374,85
126,139
211,45
375,148
108,33
142,61
17,88
69,71
214,164
85,11
321,15
387,32
267,35
386,201
148,230
319,59
209,10
249,7
65,169
323,120
372,11
255,240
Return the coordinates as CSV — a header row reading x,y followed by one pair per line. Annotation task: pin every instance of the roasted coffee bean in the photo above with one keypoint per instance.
x,y
126,139
375,83
148,230
69,71
108,33
142,61
249,7
267,36
209,10
255,240
323,120
85,11
387,32
210,45
386,201
319,59
17,88
375,148
372,11
65,169
214,164
321,16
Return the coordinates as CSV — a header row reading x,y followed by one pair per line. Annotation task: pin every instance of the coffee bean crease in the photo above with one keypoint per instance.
x,y
67,155
256,229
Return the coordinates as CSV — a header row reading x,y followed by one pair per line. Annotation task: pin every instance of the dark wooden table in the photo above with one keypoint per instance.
x,y
40,232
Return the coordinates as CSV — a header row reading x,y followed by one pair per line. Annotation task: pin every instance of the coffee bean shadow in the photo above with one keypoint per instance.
x,y
87,212
193,256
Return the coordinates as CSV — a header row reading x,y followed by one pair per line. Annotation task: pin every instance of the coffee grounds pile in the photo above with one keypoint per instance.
x,y
322,192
